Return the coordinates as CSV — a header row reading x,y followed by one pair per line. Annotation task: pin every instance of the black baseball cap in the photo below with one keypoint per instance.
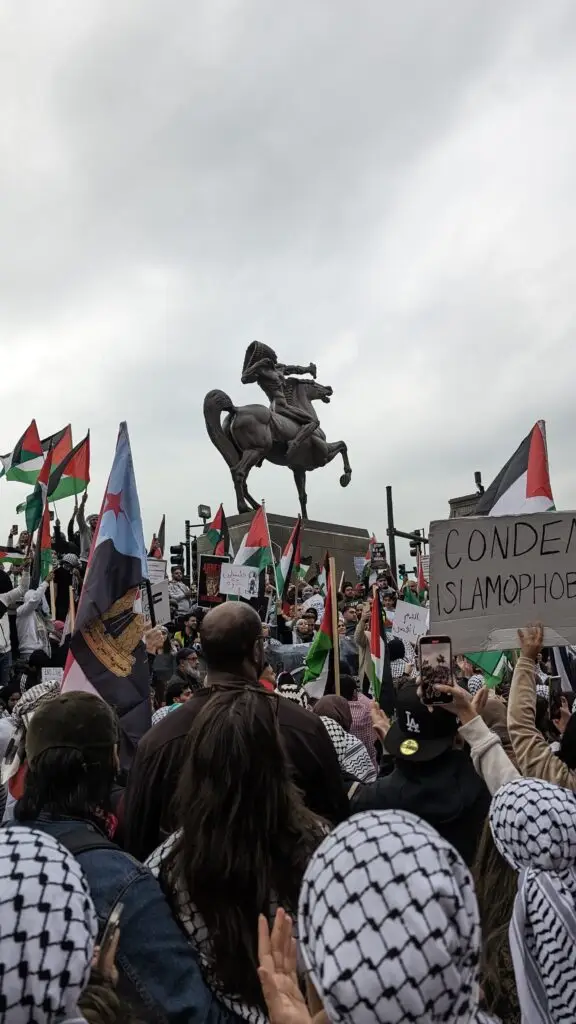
x,y
419,733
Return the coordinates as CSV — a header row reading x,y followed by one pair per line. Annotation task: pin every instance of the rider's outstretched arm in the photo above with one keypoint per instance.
x,y
293,369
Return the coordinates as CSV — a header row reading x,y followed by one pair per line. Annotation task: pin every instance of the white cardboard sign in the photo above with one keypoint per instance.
x,y
410,622
160,600
239,580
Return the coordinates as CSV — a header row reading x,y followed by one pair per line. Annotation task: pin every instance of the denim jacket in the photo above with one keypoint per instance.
x,y
159,972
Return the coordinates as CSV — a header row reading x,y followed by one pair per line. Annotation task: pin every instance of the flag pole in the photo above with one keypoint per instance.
x,y
335,634
270,546
71,608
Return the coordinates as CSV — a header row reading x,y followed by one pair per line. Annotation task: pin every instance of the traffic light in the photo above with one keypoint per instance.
x,y
402,570
415,544
194,558
177,556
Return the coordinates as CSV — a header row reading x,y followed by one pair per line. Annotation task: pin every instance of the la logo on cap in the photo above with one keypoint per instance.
x,y
411,723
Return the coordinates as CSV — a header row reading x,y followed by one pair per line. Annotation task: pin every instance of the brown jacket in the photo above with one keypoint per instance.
x,y
533,755
155,770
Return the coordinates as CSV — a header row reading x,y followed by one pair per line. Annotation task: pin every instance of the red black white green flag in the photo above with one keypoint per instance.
x,y
27,458
158,541
43,554
72,476
523,484
289,564
218,535
323,643
255,549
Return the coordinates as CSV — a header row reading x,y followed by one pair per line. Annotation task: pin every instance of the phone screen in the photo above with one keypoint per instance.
x,y
435,668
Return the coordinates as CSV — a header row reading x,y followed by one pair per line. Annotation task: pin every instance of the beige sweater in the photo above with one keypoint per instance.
x,y
488,755
534,757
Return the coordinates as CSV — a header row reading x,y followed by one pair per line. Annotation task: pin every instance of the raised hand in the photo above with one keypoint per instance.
x,y
277,971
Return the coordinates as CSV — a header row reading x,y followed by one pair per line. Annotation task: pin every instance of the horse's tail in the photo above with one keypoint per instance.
x,y
215,403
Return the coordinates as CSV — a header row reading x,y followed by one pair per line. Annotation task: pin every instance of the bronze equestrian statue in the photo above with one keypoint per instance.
x,y
287,433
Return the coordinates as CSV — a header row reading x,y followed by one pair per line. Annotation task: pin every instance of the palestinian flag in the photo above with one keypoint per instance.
x,y
35,502
61,444
492,665
72,476
13,555
523,484
289,563
43,554
323,577
27,459
158,541
255,548
378,645
218,534
409,596
323,643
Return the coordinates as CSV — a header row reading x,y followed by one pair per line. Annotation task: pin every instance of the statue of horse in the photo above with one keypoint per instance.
x,y
252,433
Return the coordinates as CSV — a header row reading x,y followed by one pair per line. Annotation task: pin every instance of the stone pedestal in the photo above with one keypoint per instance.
x,y
343,542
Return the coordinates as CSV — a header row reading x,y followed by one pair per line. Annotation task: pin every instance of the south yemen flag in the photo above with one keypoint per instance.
x,y
72,476
323,642
289,563
26,460
523,484
107,656
255,548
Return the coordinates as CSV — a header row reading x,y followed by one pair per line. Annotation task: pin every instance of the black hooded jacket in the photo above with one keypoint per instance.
x,y
446,792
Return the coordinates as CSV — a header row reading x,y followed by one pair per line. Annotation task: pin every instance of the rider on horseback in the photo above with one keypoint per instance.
x,y
261,367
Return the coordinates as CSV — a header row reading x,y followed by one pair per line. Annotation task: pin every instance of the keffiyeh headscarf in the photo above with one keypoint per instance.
x,y
534,827
475,683
48,929
289,688
389,925
21,715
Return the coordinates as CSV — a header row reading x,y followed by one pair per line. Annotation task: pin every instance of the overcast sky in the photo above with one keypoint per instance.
x,y
386,189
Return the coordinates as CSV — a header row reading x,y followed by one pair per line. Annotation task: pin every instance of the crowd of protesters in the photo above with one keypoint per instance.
x,y
271,855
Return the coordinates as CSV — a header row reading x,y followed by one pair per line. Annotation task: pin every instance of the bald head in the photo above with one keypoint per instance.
x,y
230,636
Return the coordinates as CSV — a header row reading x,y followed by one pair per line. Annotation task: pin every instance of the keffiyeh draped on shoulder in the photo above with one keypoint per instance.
x,y
48,929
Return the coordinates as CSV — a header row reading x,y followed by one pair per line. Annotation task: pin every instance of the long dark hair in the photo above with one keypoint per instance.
x,y
496,885
68,783
246,833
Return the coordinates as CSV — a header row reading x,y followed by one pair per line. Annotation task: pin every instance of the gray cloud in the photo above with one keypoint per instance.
x,y
386,190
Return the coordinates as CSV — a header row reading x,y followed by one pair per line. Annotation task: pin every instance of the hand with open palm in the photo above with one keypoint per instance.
x,y
277,971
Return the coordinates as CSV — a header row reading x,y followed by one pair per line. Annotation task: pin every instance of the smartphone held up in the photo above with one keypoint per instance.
x,y
435,661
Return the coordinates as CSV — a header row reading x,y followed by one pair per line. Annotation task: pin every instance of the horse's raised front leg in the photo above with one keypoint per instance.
x,y
340,448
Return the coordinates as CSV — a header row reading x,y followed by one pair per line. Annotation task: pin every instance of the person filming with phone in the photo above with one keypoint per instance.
x,y
433,775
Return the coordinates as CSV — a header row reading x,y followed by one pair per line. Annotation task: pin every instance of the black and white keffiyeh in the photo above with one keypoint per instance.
x,y
352,755
389,925
534,827
475,683
48,929
21,715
